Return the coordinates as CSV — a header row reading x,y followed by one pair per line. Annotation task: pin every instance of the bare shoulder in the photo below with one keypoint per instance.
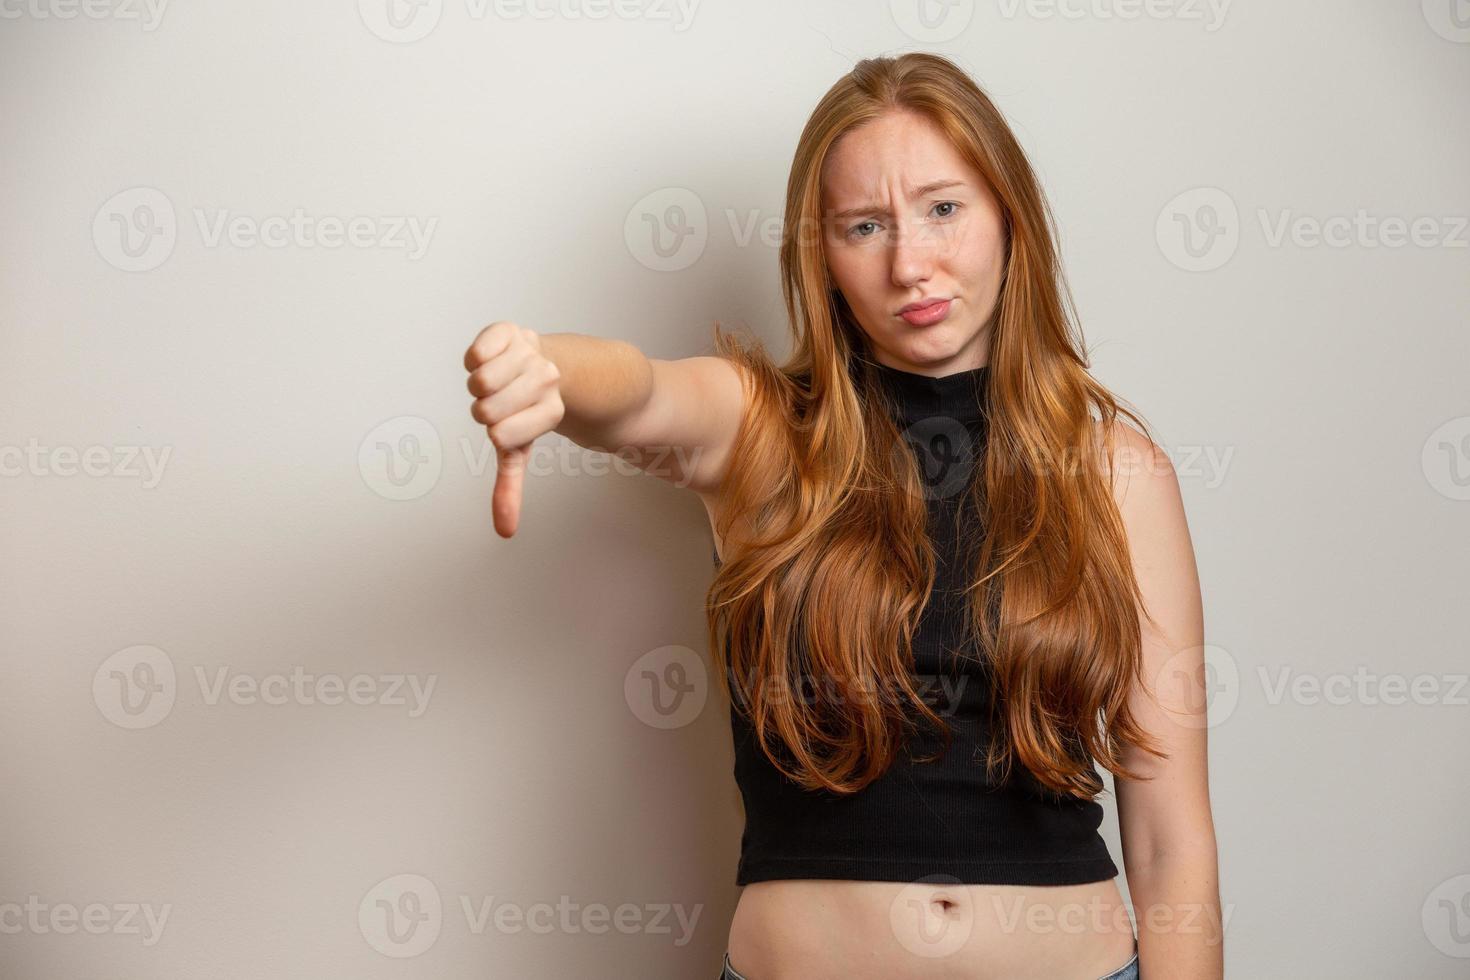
x,y
1143,476
1151,507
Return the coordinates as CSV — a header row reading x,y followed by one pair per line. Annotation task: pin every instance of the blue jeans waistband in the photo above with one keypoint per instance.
x,y
1128,971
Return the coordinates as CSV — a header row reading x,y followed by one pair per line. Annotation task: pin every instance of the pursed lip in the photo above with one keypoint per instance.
x,y
923,303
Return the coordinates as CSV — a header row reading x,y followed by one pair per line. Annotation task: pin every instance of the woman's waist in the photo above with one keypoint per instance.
x,y
931,928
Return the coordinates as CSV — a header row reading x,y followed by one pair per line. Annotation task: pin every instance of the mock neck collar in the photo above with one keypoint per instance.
x,y
959,395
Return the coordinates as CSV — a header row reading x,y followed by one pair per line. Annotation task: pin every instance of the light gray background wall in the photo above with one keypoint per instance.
x,y
286,477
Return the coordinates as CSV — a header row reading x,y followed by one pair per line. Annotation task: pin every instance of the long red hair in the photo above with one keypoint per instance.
x,y
821,482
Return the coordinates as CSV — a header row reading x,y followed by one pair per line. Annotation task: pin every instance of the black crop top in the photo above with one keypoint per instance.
x,y
942,817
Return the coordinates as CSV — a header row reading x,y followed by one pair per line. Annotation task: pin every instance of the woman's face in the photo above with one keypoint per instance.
x,y
907,220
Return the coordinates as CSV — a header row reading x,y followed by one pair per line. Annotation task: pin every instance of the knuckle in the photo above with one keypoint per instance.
x,y
496,434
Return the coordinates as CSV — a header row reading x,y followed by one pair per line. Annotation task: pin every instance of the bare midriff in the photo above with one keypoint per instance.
x,y
826,929
892,930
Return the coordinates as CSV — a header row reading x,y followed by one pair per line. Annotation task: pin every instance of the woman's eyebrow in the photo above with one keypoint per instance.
x,y
920,191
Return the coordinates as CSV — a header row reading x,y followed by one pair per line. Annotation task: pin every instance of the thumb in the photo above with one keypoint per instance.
x,y
510,473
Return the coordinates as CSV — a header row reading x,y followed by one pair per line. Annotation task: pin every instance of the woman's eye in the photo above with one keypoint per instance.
x,y
856,230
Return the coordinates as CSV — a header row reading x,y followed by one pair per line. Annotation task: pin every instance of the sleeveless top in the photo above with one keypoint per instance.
x,y
941,819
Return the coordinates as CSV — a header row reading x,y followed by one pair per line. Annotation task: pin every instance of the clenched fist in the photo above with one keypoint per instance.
x,y
517,398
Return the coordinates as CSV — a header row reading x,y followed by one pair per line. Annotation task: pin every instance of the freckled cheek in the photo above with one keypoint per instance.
x,y
860,274
979,254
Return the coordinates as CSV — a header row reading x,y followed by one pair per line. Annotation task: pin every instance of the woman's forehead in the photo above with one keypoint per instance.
x,y
878,162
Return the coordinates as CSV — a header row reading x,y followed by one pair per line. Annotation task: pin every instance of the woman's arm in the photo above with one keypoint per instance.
x,y
673,419
676,420
1167,830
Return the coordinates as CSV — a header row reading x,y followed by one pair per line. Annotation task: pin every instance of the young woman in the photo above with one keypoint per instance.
x,y
950,578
